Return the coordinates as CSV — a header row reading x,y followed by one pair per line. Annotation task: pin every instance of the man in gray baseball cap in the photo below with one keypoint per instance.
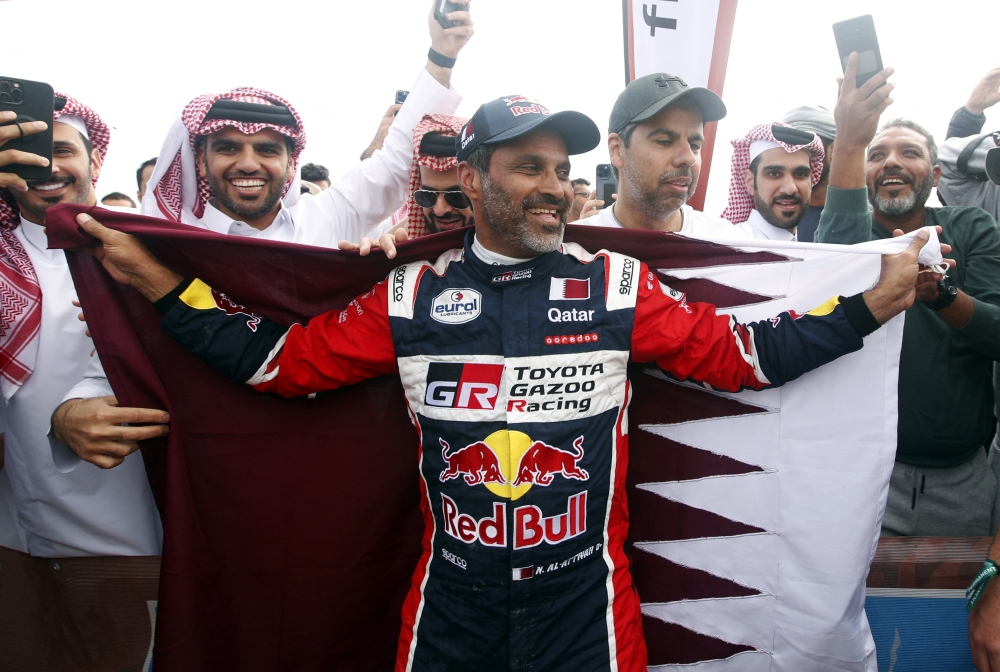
x,y
656,133
818,120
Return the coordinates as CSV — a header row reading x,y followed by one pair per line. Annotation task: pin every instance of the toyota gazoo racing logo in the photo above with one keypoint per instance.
x,y
488,463
471,385
457,306
230,307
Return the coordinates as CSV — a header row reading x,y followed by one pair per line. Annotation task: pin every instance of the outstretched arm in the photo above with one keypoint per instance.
x,y
336,348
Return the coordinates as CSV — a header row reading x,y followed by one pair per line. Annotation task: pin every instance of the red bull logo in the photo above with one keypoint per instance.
x,y
531,526
477,462
508,463
230,307
542,461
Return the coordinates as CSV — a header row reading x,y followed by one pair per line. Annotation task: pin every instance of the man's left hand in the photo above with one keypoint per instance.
x,y
386,242
897,285
926,287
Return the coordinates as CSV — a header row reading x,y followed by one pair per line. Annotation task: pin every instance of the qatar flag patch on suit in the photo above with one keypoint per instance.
x,y
566,289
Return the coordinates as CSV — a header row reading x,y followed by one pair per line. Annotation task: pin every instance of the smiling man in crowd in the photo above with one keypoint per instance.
x,y
941,484
66,507
774,169
485,570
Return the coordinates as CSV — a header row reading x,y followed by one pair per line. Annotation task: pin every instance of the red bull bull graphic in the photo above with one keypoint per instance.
x,y
230,307
508,463
477,462
541,461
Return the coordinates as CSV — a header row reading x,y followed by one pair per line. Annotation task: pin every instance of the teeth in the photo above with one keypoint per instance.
x,y
50,186
248,184
541,211
893,180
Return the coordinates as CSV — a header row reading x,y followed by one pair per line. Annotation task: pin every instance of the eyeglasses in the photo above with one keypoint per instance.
x,y
427,198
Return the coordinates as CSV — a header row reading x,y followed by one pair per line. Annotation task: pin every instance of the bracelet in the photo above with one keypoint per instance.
x,y
978,585
440,59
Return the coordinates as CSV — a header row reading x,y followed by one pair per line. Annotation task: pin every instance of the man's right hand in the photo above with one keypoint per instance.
x,y
986,94
15,156
94,429
128,261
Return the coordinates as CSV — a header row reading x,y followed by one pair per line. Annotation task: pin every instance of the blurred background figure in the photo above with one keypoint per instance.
x,y
317,175
118,199
581,194
143,174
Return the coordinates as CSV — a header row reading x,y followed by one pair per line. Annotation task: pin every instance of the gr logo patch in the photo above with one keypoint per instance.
x,y
463,385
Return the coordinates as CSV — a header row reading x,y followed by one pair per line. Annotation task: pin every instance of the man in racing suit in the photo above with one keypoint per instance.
x,y
512,352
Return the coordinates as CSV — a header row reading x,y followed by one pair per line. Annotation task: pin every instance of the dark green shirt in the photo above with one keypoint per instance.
x,y
945,374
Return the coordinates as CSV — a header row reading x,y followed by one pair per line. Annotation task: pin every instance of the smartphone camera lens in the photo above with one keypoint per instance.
x,y
5,97
4,86
16,95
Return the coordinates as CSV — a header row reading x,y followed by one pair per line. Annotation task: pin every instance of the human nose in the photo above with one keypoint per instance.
x,y
441,206
247,161
685,156
552,185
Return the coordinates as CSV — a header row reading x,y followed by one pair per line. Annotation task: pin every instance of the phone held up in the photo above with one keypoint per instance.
x,y
31,101
858,34
606,184
401,96
444,7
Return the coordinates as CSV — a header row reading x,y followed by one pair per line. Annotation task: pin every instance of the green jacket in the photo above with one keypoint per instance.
x,y
945,374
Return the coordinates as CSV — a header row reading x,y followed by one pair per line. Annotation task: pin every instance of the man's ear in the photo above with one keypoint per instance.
x,y
96,163
937,174
748,180
199,160
470,182
617,149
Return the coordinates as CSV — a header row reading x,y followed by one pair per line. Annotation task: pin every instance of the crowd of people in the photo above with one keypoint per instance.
x,y
72,482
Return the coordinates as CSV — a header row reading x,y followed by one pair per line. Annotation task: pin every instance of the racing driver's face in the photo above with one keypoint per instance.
x,y
524,201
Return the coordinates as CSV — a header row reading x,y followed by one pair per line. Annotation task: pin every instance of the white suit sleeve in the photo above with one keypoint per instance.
x,y
374,189
94,384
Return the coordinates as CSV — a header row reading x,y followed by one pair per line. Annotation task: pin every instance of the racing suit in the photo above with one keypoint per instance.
x,y
515,378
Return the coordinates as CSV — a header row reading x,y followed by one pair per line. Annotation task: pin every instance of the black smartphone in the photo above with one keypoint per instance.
x,y
858,34
444,7
606,184
32,101
401,96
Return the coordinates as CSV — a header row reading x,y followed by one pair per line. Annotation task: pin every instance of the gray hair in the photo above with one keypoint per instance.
x,y
914,126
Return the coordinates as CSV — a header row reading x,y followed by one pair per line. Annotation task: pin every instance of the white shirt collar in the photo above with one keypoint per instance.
x,y
219,222
769,231
34,234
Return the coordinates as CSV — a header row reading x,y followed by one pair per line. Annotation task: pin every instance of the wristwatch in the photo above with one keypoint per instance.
x,y
947,293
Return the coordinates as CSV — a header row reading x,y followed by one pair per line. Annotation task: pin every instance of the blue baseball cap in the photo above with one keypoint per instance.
x,y
511,116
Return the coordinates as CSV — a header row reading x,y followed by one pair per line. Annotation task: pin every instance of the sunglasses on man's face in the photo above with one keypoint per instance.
x,y
427,198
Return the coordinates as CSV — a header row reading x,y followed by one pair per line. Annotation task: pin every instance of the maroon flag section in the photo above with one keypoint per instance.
x,y
292,526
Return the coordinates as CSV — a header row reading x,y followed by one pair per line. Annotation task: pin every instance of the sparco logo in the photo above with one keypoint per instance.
x,y
625,286
398,276
456,306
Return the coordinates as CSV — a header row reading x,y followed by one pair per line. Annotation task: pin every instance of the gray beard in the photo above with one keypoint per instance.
x,y
511,222
902,205
653,206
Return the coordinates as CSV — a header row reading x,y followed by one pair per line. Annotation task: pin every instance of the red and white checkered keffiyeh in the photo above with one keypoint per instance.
x,y
431,123
175,190
741,201
20,294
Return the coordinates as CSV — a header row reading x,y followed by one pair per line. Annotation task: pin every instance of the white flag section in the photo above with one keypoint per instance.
x,y
825,446
675,36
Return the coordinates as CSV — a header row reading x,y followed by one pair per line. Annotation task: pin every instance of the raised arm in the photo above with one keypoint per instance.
x,y
691,341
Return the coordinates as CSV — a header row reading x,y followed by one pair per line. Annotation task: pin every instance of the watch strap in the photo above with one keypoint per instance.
x,y
440,59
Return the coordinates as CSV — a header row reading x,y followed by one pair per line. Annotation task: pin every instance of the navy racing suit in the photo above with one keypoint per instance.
x,y
515,378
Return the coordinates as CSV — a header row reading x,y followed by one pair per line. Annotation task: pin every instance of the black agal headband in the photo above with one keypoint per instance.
x,y
251,113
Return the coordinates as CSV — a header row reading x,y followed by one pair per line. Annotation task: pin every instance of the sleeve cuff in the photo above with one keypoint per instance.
x,y
859,316
166,302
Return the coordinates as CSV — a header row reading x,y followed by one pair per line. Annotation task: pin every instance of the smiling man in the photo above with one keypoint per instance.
x,y
66,507
655,135
231,161
774,169
523,483
941,484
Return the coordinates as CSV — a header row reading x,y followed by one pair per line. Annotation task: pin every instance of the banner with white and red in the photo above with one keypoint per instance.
x,y
686,38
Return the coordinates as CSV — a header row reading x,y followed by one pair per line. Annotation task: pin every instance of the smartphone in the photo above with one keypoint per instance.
x,y
443,7
606,184
401,96
858,34
32,101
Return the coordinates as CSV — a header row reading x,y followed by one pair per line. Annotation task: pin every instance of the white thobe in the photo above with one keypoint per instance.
x,y
694,223
68,507
367,194
758,227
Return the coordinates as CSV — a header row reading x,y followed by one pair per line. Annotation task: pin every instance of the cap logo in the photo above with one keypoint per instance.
x,y
531,109
664,82
468,134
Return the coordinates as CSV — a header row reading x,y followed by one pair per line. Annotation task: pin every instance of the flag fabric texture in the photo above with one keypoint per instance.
x,y
292,526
